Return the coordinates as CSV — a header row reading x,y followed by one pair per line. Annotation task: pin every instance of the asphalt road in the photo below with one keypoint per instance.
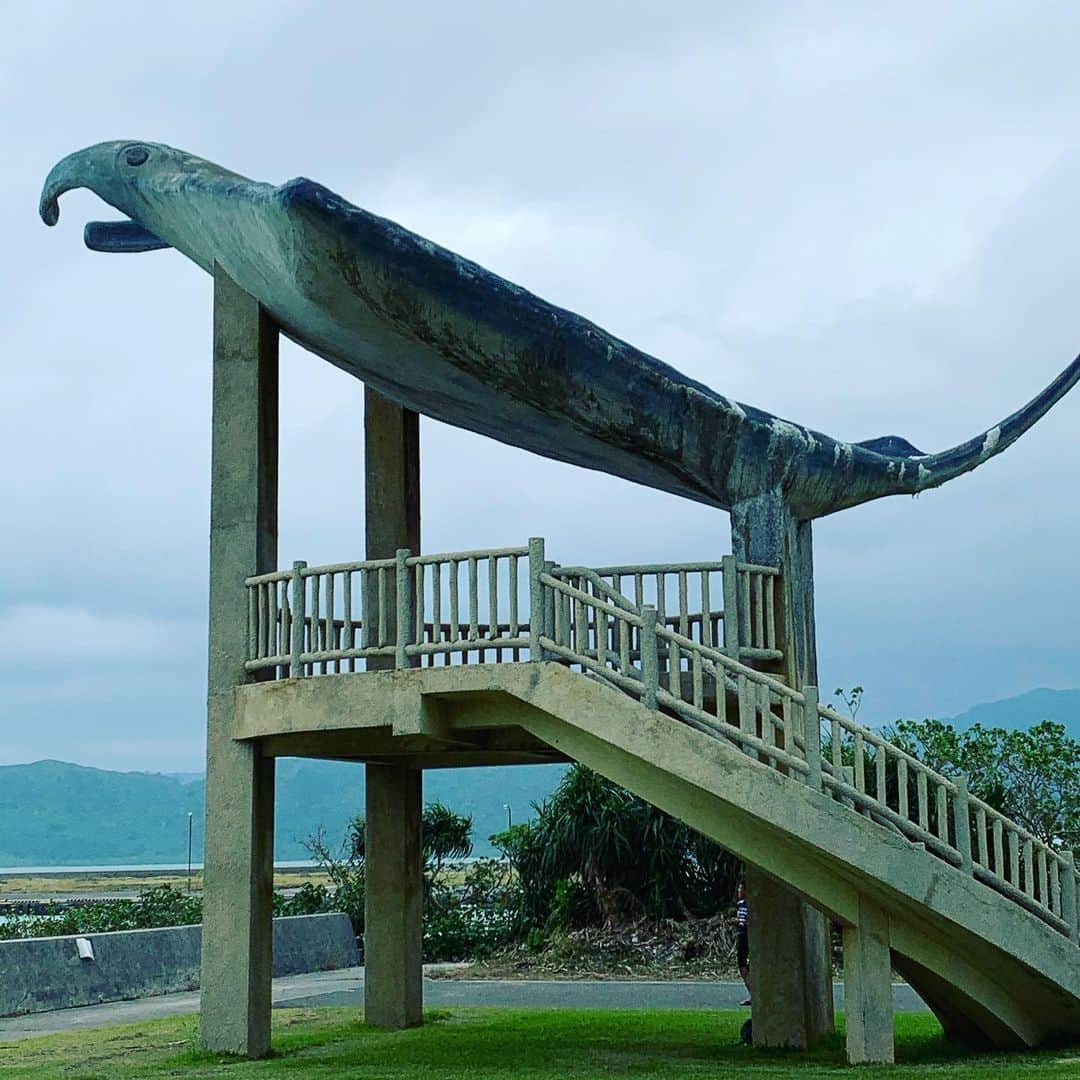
x,y
347,988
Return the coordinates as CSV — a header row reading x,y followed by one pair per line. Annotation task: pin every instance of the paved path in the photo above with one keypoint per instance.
x,y
347,988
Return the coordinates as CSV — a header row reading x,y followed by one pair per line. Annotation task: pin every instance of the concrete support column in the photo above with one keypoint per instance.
x,y
393,900
237,900
790,976
868,1004
790,962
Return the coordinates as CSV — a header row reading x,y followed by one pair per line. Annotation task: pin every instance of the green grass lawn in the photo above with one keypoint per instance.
x,y
500,1043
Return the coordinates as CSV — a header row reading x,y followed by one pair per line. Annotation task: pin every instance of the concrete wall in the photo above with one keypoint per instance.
x,y
38,974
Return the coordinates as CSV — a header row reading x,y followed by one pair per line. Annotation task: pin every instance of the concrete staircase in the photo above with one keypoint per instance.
x,y
637,673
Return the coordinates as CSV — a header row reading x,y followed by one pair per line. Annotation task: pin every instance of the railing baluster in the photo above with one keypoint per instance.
x,y
420,611
706,606
315,634
1055,886
759,612
942,812
624,649
879,765
639,590
1029,868
436,611
253,622
999,849
962,824
349,640
746,611
650,667
404,594
453,584
261,590
474,603
768,729
924,800
602,632
661,599
730,575
1014,859
383,575
493,600
581,629
537,605
812,736
1068,897
747,721
980,829
515,628
684,608
902,788
860,764
675,670
296,668
770,612
698,681
330,643
836,736
1044,878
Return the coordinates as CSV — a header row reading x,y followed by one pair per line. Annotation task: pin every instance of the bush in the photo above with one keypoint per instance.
x,y
597,853
160,906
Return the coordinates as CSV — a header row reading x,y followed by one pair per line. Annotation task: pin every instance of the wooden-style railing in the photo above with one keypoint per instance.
x,y
655,633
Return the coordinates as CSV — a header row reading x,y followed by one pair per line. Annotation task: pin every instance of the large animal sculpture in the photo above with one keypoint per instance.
x,y
447,338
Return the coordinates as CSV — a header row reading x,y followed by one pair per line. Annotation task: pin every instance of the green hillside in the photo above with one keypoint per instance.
x,y
53,813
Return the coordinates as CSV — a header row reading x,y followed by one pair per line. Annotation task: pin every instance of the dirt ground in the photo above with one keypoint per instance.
x,y
697,949
76,885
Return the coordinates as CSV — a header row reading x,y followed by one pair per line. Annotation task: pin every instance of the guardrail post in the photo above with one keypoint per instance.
x,y
537,607
650,664
962,824
812,736
550,600
730,568
404,609
298,603
1068,897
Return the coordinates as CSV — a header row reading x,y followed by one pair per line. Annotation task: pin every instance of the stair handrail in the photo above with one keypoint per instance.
x,y
1050,882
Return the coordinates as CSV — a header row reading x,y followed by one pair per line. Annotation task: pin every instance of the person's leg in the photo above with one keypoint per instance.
x,y
742,955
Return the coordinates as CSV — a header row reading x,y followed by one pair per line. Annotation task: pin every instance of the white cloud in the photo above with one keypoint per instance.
x,y
857,216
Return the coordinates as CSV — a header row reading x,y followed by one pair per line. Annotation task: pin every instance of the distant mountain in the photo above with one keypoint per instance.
x,y
53,813
1061,706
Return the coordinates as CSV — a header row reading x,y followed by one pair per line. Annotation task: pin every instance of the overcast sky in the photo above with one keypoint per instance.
x,y
860,217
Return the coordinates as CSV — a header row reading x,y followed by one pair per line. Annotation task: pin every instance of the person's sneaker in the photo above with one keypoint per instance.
x,y
745,1001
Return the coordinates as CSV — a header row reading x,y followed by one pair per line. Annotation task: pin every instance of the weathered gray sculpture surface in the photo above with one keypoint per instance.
x,y
447,338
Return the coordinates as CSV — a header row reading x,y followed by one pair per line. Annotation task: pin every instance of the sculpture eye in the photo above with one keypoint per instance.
x,y
137,155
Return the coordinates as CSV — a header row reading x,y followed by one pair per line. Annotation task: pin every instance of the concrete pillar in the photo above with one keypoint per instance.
x,y
237,898
790,955
392,477
790,976
868,1003
393,899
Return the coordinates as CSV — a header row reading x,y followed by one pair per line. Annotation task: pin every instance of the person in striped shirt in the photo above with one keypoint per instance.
x,y
742,938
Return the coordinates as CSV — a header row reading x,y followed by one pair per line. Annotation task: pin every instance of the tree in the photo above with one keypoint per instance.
x,y
445,836
597,851
1030,776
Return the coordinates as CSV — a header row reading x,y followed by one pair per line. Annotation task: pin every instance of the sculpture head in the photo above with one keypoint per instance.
x,y
143,181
